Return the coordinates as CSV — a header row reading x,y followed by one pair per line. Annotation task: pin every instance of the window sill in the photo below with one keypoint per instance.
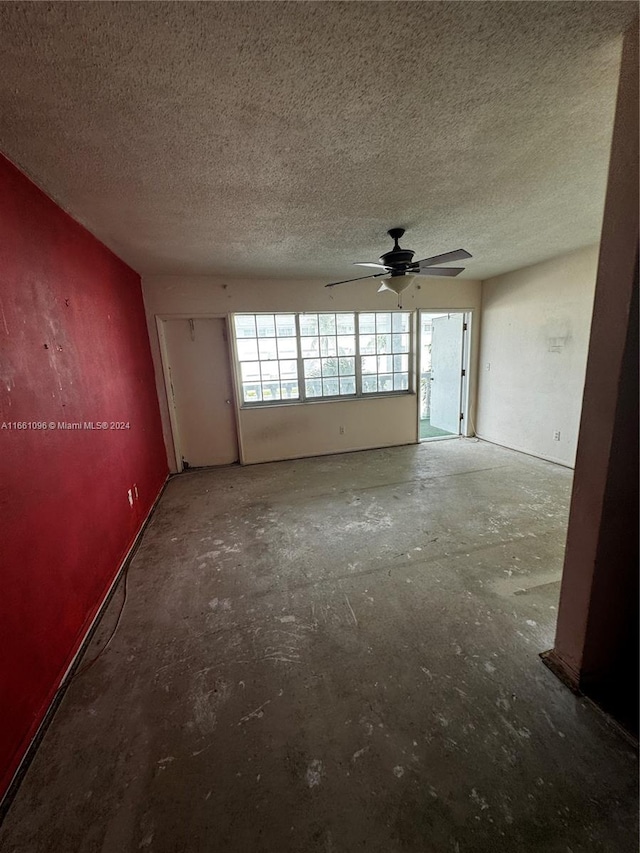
x,y
315,400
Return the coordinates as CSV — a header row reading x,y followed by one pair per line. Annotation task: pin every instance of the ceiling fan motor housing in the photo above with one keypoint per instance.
x,y
397,260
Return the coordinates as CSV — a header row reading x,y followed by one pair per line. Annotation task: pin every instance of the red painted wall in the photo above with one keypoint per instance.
x,y
73,348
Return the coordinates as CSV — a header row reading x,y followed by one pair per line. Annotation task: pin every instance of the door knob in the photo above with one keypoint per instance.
x,y
228,402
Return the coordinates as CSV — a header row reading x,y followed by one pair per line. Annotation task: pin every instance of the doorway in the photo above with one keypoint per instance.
x,y
442,374
200,391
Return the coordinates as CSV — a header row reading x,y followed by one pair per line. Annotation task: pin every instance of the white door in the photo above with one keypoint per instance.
x,y
446,372
202,391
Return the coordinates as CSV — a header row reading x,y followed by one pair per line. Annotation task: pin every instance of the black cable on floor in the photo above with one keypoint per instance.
x,y
91,662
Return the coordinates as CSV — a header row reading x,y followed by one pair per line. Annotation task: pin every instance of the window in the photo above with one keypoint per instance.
x,y
267,350
298,357
384,348
328,349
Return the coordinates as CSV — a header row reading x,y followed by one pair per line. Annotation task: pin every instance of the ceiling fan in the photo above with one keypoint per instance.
x,y
399,269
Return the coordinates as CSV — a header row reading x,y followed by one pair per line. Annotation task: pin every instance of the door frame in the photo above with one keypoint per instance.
x,y
161,319
466,429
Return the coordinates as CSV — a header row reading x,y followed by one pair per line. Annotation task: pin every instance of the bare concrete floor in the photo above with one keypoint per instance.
x,y
333,655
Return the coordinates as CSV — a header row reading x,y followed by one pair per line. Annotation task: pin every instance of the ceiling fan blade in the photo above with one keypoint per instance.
x,y
450,271
362,277
457,255
366,264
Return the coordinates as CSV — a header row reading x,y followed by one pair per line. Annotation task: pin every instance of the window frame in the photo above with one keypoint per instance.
x,y
303,399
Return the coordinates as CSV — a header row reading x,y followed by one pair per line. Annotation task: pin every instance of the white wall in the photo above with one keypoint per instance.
x,y
533,354
290,431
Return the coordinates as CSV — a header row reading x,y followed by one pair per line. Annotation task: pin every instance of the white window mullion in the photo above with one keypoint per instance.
x,y
412,362
358,360
301,386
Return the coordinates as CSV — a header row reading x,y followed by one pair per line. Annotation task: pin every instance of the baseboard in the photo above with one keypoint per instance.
x,y
571,679
329,453
567,675
525,452
65,681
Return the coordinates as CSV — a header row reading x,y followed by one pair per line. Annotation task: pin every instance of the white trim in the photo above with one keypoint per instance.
x,y
468,315
417,349
551,459
465,401
161,319
344,398
166,375
194,315
235,383
335,452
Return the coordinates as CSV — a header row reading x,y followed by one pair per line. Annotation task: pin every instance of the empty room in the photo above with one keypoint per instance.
x,y
319,427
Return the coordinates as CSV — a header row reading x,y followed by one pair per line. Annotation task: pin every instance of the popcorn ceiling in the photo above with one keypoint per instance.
x,y
284,139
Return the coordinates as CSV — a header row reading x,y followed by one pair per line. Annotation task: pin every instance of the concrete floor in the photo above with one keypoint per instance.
x,y
333,655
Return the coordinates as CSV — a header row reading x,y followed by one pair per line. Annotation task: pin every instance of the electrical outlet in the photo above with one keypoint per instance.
x,y
488,366
341,430
556,435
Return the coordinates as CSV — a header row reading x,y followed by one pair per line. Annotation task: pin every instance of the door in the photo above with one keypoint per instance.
x,y
201,388
446,372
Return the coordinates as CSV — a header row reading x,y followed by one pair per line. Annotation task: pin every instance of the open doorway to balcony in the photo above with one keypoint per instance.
x,y
442,370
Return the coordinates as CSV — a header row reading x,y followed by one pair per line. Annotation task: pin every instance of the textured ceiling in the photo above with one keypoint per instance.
x,y
269,138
